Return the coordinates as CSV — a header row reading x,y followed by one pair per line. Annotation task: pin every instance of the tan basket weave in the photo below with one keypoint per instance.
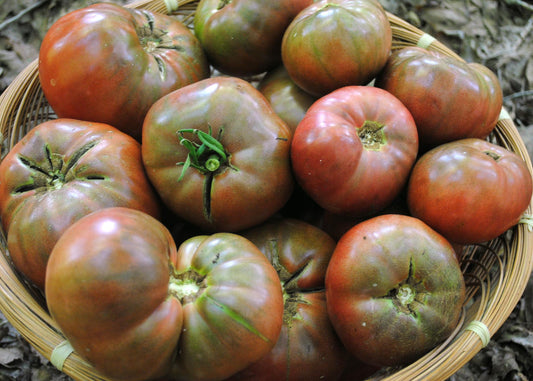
x,y
496,273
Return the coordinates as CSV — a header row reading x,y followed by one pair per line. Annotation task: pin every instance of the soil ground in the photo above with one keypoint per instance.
x,y
496,33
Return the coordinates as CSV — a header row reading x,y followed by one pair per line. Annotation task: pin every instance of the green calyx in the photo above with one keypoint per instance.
x,y
207,156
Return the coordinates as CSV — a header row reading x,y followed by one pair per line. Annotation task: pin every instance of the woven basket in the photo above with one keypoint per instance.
x,y
496,273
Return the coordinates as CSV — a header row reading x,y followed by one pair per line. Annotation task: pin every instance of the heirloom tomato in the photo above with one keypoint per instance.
x,y
308,347
243,37
394,289
108,63
336,43
469,190
288,100
218,154
448,98
136,307
60,171
354,149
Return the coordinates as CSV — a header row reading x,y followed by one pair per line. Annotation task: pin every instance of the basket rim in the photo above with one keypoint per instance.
x,y
460,348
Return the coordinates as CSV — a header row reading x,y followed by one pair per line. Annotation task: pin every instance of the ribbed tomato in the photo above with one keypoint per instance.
x,y
137,308
354,149
469,190
394,289
243,37
60,171
448,98
308,347
336,43
108,63
218,154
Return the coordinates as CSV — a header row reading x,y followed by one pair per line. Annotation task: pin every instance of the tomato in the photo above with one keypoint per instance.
x,y
336,43
354,149
394,290
239,174
243,37
448,98
308,346
469,190
107,63
136,307
60,171
288,100
234,316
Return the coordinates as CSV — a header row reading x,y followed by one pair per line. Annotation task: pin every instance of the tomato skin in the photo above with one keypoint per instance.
x,y
288,100
58,172
449,99
107,288
336,43
307,347
374,265
107,63
136,307
243,37
236,318
461,190
350,167
255,183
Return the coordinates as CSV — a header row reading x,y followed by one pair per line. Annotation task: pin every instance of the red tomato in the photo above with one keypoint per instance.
x,y
354,149
218,154
308,347
107,63
448,98
60,171
137,308
243,37
469,190
336,43
394,290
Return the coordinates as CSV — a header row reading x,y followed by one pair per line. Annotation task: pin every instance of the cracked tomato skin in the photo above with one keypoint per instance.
x,y
394,289
308,347
107,63
469,190
354,149
60,171
254,181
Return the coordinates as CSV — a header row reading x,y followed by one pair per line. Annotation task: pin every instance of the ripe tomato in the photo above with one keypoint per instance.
x,y
354,149
218,154
243,37
469,190
137,308
394,290
288,100
107,63
336,43
308,346
449,99
60,171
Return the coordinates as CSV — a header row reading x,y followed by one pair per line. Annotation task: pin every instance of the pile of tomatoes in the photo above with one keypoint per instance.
x,y
274,194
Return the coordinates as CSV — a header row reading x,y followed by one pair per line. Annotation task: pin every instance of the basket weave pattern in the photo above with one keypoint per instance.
x,y
496,273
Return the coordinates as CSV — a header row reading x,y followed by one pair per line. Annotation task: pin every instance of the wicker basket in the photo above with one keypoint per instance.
x,y
496,273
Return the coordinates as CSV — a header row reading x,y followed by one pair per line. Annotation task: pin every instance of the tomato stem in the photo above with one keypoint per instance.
x,y
186,286
372,135
207,156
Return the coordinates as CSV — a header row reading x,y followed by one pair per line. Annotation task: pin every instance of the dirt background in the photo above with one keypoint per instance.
x,y
496,33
